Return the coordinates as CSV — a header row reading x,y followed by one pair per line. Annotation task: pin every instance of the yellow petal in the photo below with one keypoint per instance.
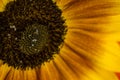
x,y
44,75
4,71
18,75
30,74
53,71
95,15
94,29
59,69
1,6
64,70
99,74
83,7
62,3
110,59
99,47
10,75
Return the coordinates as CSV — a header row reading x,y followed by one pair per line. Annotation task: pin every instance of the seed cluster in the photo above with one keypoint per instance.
x,y
31,32
34,39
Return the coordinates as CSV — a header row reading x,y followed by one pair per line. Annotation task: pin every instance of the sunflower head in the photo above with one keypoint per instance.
x,y
31,32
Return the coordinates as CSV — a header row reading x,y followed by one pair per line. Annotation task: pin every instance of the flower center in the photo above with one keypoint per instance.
x,y
31,32
34,39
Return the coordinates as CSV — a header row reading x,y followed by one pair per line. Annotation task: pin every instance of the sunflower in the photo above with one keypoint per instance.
x,y
59,39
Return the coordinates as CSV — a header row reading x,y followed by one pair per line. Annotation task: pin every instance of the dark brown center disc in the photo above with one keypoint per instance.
x,y
31,32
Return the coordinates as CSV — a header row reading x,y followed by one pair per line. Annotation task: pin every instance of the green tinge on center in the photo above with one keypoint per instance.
x,y
34,39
